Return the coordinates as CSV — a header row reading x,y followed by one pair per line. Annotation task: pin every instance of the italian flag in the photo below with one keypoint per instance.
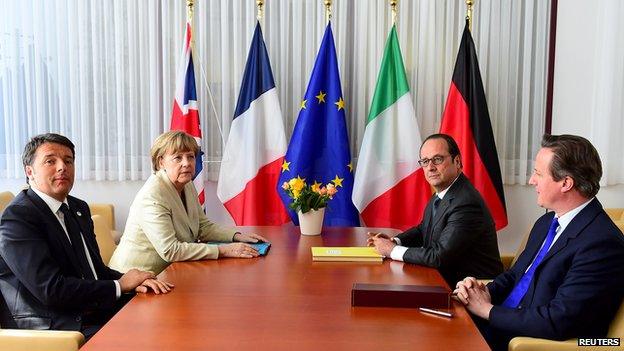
x,y
390,189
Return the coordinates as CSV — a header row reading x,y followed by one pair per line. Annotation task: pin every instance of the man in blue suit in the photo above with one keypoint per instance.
x,y
569,280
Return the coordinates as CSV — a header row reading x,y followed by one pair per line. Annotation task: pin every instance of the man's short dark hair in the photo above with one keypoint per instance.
x,y
575,157
453,149
28,156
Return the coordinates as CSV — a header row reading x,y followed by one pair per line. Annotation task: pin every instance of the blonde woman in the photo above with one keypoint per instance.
x,y
166,222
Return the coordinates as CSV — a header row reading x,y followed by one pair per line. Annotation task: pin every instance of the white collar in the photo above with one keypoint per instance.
x,y
443,192
569,216
52,203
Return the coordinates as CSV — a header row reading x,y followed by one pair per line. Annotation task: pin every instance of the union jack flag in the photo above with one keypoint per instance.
x,y
185,115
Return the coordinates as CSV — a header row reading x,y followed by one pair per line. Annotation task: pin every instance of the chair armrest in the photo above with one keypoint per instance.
x,y
116,236
523,343
40,340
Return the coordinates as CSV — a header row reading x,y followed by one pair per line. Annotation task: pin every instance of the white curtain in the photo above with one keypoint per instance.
x,y
607,101
103,72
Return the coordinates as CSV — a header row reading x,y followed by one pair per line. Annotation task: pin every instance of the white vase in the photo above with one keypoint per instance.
x,y
311,222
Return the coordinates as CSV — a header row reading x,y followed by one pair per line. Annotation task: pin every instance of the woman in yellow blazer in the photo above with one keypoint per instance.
x,y
166,222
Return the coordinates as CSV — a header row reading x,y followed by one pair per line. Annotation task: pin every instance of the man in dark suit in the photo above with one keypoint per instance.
x,y
457,234
51,272
569,280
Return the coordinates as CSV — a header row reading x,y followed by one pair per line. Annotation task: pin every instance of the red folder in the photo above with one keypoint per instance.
x,y
389,295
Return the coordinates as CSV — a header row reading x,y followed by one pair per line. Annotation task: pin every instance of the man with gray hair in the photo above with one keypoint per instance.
x,y
457,234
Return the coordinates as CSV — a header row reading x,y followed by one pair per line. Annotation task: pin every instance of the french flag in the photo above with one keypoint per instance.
x,y
256,146
185,115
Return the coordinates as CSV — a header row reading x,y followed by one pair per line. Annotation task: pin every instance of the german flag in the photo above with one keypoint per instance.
x,y
467,120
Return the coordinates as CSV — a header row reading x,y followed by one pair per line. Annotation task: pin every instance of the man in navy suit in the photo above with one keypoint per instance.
x,y
569,280
51,272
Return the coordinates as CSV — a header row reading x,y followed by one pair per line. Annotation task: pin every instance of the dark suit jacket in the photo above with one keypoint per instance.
x,y
460,241
39,272
577,288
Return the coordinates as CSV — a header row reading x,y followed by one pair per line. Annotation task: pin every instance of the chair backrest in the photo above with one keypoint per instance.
x,y
5,199
104,237
616,214
522,245
106,211
616,328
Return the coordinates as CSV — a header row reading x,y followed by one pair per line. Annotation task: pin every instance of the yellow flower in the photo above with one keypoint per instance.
x,y
306,197
296,184
316,187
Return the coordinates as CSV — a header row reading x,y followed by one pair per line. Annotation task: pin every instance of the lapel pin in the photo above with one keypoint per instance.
x,y
78,213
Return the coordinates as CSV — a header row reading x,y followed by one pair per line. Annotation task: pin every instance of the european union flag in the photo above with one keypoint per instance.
x,y
319,147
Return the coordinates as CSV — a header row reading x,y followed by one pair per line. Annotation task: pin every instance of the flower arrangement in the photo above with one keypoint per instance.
x,y
308,197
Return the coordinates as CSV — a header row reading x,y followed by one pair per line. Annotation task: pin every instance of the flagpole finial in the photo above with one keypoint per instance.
x,y
328,9
189,10
393,8
469,4
260,4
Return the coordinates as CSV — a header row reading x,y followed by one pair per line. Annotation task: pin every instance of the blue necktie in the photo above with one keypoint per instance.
x,y
521,288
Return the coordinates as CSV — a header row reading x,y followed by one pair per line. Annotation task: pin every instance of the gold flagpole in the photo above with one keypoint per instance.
x,y
189,11
328,10
393,8
260,4
469,4
189,19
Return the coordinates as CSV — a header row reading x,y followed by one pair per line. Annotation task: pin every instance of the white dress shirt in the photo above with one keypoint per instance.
x,y
55,207
398,251
564,220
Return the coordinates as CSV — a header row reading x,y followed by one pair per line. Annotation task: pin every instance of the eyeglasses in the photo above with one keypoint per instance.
x,y
436,160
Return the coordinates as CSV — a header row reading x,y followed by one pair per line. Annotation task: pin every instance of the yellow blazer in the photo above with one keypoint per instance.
x,y
160,230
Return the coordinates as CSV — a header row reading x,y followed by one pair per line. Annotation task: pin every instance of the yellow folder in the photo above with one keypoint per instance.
x,y
359,254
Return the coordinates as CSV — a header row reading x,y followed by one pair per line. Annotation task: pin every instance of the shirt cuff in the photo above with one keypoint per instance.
x,y
398,252
117,289
396,240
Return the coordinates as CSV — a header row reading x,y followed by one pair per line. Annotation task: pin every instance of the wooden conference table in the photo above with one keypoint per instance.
x,y
284,301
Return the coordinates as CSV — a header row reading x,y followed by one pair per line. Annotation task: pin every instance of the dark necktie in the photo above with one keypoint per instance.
x,y
521,288
436,204
73,229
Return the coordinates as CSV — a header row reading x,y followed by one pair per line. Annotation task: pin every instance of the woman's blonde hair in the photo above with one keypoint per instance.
x,y
172,142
